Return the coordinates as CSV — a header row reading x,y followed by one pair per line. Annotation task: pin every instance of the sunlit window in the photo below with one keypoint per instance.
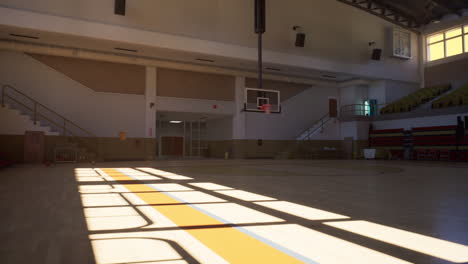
x,y
466,38
449,43
436,51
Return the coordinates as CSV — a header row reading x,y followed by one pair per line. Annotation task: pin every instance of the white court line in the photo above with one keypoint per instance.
x,y
424,244
246,196
302,211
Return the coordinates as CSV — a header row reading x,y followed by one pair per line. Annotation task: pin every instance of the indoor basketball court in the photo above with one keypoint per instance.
x,y
242,132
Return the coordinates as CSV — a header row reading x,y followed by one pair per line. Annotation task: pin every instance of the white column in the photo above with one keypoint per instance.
x,y
238,119
150,102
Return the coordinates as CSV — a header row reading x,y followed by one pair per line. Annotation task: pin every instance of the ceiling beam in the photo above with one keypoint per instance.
x,y
443,5
386,13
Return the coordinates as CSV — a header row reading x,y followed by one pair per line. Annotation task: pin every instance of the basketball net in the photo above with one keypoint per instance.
x,y
266,108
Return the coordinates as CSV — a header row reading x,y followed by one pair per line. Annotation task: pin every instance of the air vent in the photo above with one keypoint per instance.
x,y
129,50
329,76
23,36
205,60
273,69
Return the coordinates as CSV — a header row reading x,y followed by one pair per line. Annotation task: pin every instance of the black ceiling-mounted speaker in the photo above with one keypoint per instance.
x,y
260,23
119,7
376,54
300,39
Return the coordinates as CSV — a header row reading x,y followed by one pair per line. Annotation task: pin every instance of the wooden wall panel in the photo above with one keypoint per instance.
x,y
286,89
196,85
99,75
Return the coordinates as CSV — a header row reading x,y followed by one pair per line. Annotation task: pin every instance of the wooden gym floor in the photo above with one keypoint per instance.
x,y
247,212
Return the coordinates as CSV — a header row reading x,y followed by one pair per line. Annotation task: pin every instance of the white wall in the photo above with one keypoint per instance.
x,y
377,91
13,123
355,94
407,124
225,28
298,113
104,114
396,90
219,129
358,130
174,104
331,131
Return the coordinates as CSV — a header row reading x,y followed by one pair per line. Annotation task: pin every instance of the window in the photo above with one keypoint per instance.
x,y
466,38
449,43
367,108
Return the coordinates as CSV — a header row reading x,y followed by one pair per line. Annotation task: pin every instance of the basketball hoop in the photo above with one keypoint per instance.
x,y
266,108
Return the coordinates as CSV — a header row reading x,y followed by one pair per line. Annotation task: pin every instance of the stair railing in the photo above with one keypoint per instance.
x,y
58,121
311,130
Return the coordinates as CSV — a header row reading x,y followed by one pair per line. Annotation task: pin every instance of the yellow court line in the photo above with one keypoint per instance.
x,y
231,244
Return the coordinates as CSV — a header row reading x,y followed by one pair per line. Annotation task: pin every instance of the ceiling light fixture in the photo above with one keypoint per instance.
x,y
175,122
204,60
124,49
23,36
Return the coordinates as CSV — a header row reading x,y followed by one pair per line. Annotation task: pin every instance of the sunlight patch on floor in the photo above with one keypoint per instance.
x,y
210,186
165,174
106,199
139,175
427,245
195,197
140,223
179,241
134,250
323,248
237,214
94,188
245,196
170,187
302,211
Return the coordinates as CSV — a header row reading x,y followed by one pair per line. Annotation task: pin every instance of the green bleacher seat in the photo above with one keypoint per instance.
x,y
415,99
455,98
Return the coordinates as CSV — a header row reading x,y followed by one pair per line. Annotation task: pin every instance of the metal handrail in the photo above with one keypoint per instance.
x,y
321,120
318,120
35,112
362,108
320,127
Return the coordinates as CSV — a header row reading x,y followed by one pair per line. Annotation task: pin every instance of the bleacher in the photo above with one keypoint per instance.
x,y
415,99
458,97
4,162
424,143
388,140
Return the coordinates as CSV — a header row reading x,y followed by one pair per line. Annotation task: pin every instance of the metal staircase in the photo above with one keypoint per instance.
x,y
317,127
83,143
305,136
